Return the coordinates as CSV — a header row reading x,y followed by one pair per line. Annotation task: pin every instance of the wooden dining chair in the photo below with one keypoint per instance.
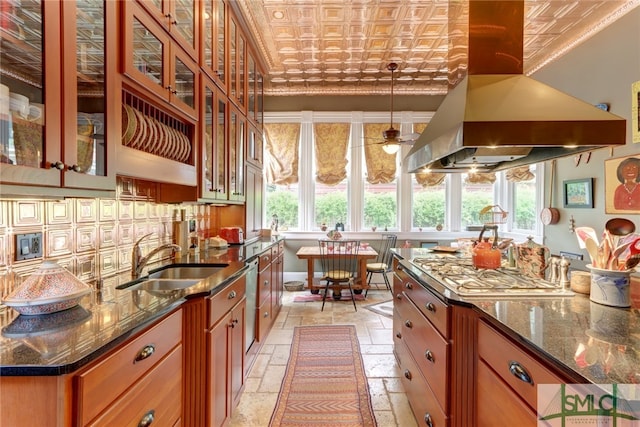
x,y
339,261
382,264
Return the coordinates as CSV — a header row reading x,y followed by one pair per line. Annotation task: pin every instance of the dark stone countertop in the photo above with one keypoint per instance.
x,y
587,340
62,342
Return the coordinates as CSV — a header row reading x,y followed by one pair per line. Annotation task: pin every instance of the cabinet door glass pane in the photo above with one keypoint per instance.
x,y
241,76
220,46
91,87
21,84
208,139
185,83
209,35
221,152
251,91
232,59
259,99
233,152
147,52
185,20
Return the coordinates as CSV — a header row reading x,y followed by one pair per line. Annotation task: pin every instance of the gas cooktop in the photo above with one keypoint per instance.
x,y
459,275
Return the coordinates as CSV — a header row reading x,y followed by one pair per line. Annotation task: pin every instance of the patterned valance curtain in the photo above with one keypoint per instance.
x,y
331,147
427,179
520,174
481,178
381,167
282,152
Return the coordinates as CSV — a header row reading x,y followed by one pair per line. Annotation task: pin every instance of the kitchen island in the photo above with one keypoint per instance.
x,y
474,342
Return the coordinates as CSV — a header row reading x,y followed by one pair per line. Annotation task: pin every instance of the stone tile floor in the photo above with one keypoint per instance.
x,y
389,401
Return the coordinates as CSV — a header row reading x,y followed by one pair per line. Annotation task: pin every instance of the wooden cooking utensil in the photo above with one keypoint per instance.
x,y
592,248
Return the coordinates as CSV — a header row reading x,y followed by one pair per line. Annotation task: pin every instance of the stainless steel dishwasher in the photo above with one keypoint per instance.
x,y
250,312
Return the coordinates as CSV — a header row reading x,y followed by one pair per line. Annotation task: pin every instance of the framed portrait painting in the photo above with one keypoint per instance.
x,y
622,185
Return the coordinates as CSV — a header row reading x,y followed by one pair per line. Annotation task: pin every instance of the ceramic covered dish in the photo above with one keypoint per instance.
x,y
49,289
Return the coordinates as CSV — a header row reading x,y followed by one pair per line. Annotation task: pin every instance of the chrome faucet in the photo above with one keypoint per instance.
x,y
138,262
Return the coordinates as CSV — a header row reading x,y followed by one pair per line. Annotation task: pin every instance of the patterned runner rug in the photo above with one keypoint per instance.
x,y
325,383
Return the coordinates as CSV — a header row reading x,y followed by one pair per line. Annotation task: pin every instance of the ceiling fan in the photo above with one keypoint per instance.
x,y
392,138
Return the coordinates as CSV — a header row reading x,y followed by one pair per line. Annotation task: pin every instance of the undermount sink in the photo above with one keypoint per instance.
x,y
195,272
162,285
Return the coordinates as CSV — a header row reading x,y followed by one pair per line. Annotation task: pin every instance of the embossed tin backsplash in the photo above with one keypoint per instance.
x,y
92,238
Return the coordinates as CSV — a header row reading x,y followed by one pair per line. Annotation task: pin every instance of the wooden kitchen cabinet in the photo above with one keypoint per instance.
x,y
154,60
178,18
237,133
214,181
213,55
253,203
422,350
226,337
141,380
508,376
62,141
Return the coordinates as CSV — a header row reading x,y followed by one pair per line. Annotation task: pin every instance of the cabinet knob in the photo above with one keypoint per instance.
x,y
232,295
431,307
399,295
429,355
57,165
407,374
408,324
399,335
266,314
146,352
147,419
518,371
408,285
427,419
266,283
74,168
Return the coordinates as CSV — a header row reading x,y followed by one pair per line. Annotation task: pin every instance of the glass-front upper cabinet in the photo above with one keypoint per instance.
x,y
178,17
214,160
233,53
52,118
236,155
213,45
87,113
153,60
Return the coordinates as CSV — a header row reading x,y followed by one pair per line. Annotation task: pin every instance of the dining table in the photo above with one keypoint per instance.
x,y
312,253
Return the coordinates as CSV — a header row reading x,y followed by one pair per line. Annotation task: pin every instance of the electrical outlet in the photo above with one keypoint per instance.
x,y
28,246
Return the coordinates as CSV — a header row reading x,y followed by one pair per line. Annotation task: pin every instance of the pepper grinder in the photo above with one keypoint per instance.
x,y
564,273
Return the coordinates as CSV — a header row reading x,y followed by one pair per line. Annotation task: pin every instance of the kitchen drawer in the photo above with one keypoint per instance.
x,y
157,397
497,404
220,303
105,381
432,307
264,260
503,356
429,350
423,403
264,320
264,286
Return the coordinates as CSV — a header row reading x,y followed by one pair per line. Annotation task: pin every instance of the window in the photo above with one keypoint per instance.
x,y
404,204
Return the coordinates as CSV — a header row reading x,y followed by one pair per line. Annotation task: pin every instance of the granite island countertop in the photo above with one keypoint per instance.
x,y
591,341
60,343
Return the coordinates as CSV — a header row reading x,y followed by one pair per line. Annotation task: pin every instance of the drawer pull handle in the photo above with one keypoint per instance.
x,y
399,335
408,285
233,323
519,372
431,307
407,374
399,296
266,283
146,351
232,295
429,355
266,314
408,324
427,419
147,419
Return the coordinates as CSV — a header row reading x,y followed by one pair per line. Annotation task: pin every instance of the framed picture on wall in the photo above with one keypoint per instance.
x,y
578,193
622,185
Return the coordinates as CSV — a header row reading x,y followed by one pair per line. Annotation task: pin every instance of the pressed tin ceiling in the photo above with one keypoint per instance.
x,y
342,47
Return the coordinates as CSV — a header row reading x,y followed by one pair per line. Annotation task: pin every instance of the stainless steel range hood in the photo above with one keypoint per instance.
x,y
496,118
